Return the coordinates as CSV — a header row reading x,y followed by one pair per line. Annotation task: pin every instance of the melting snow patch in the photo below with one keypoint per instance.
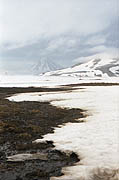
x,y
96,141
24,157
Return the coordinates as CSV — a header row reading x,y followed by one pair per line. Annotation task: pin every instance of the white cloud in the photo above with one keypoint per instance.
x,y
56,44
104,49
98,49
62,42
25,20
95,40
104,53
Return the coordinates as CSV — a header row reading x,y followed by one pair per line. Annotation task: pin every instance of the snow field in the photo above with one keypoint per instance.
x,y
96,141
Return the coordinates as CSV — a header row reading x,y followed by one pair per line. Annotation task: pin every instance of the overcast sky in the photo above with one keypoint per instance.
x,y
59,30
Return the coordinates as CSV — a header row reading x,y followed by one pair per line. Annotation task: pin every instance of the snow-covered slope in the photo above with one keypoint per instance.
x,y
44,66
96,67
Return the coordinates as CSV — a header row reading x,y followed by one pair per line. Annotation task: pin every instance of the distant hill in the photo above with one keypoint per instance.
x,y
45,65
96,67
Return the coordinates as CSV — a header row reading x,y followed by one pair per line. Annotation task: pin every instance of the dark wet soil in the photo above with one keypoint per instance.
x,y
91,84
23,122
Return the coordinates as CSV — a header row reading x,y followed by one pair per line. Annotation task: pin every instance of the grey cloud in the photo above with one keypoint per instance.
x,y
26,19
60,30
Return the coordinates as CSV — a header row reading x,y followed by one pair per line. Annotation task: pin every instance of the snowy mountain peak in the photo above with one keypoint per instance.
x,y
45,65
